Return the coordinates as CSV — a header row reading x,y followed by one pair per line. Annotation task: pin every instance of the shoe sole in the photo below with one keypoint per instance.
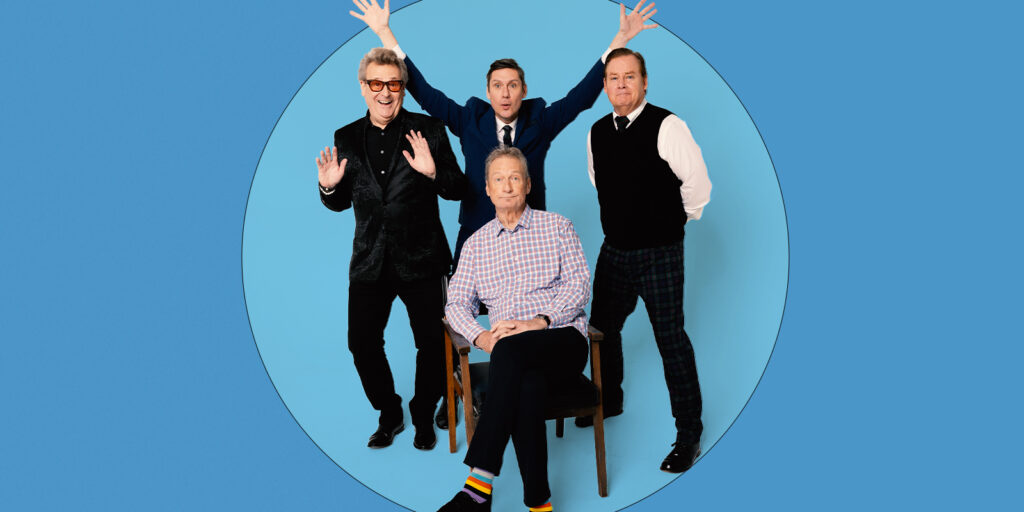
x,y
419,447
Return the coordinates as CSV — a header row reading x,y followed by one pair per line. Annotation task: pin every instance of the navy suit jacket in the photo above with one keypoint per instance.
x,y
474,125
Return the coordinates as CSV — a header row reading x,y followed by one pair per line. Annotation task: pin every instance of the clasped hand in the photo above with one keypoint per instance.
x,y
504,328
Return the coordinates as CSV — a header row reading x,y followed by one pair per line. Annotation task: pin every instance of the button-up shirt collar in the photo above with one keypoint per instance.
x,y
523,222
632,115
501,124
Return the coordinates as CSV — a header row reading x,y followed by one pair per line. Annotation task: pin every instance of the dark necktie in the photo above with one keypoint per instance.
x,y
621,122
507,138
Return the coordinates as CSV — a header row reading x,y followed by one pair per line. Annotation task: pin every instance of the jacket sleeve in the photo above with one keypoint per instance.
x,y
435,102
562,112
449,182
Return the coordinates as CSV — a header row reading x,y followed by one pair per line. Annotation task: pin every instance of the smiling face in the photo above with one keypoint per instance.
x,y
507,184
384,105
506,91
624,84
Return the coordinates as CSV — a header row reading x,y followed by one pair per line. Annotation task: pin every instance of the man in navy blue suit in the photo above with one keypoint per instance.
x,y
506,118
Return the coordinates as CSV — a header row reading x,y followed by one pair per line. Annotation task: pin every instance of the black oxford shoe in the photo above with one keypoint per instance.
x,y
424,438
681,458
441,418
463,502
588,421
385,435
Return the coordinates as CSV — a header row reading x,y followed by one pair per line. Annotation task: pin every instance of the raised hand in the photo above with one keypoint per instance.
x,y
376,17
422,161
329,170
632,24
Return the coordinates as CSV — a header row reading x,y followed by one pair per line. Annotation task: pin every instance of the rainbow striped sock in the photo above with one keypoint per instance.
x,y
543,508
478,487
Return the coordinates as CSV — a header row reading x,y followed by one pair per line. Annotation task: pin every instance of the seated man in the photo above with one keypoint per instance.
x,y
527,267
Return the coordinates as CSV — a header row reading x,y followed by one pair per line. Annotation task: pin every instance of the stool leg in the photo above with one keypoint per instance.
x,y
602,473
450,390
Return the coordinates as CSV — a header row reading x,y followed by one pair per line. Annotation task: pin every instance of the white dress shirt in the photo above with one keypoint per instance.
x,y
676,147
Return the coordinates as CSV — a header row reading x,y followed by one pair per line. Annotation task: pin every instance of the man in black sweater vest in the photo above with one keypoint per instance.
x,y
650,179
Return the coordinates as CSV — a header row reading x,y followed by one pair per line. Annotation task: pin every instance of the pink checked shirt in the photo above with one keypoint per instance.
x,y
538,268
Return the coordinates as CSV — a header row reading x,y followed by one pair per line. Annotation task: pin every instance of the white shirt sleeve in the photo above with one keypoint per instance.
x,y
677,147
398,52
590,161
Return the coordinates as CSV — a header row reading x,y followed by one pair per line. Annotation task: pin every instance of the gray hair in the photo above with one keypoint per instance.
x,y
383,57
502,152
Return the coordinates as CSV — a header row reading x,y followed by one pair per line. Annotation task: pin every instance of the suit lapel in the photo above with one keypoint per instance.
x,y
524,126
487,125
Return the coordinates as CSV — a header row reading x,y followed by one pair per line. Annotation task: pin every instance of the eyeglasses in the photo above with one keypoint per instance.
x,y
378,85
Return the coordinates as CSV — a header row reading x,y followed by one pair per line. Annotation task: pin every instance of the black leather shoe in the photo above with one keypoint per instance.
x,y
463,502
588,421
425,439
681,458
385,435
441,418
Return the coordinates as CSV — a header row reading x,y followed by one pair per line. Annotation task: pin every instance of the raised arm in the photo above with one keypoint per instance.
x,y
376,17
632,24
562,112
435,102
432,157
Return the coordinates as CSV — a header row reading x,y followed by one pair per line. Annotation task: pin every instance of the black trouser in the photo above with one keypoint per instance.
x,y
369,305
522,368
656,275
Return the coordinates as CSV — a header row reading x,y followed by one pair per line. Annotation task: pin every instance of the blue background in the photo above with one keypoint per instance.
x,y
130,379
295,255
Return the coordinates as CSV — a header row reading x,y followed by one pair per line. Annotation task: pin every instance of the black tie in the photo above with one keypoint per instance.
x,y
621,122
507,139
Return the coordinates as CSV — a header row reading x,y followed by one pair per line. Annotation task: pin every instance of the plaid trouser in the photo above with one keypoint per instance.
x,y
656,275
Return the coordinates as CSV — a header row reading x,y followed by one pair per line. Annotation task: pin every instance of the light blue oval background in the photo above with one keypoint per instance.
x,y
296,252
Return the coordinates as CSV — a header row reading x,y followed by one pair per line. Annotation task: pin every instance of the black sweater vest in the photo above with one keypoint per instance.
x,y
638,192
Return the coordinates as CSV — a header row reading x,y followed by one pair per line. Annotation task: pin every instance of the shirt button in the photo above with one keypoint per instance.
x,y
382,172
382,151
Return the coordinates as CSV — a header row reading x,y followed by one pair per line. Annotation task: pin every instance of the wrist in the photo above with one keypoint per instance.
x,y
543,321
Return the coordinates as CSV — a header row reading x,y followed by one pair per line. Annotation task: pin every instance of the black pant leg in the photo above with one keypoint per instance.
x,y
521,370
424,302
369,305
615,297
661,287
